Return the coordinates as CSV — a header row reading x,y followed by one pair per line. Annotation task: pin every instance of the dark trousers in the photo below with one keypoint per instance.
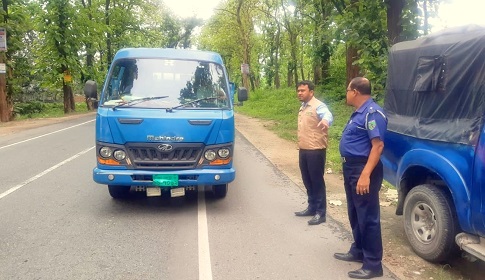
x,y
312,165
364,215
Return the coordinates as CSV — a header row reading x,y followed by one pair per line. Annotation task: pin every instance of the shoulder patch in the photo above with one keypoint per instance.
x,y
371,124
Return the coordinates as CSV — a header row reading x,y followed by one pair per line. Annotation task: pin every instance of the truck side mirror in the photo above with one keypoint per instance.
x,y
232,88
242,94
91,89
91,94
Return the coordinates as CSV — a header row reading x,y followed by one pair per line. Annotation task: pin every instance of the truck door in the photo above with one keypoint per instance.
x,y
478,190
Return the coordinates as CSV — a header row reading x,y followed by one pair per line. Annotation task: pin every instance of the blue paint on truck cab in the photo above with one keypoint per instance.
x,y
165,122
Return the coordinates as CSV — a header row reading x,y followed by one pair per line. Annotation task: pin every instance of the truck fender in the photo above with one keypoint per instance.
x,y
438,164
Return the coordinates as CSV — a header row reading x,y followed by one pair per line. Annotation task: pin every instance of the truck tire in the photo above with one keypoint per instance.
x,y
119,192
220,191
430,223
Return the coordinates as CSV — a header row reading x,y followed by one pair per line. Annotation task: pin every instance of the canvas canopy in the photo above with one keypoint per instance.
x,y
436,86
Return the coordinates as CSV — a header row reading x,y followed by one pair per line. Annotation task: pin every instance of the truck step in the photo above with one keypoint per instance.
x,y
471,244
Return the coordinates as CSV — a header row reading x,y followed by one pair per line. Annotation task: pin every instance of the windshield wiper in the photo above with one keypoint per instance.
x,y
169,110
136,101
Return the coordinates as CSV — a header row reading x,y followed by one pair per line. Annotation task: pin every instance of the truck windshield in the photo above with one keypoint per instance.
x,y
179,82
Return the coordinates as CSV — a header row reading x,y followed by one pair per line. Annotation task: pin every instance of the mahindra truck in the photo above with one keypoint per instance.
x,y
434,150
165,123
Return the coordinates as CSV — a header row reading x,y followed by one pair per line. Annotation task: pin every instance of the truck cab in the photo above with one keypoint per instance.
x,y
434,150
165,123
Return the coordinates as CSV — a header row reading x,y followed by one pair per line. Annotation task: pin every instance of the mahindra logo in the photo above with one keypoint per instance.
x,y
165,138
165,147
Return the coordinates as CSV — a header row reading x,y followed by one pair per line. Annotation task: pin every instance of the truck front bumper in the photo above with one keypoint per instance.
x,y
144,178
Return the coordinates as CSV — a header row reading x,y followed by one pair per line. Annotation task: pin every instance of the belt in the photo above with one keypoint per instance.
x,y
354,159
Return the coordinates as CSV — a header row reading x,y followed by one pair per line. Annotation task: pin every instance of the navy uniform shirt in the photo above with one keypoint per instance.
x,y
365,123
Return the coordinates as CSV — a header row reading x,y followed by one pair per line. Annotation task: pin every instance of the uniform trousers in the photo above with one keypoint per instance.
x,y
364,215
312,165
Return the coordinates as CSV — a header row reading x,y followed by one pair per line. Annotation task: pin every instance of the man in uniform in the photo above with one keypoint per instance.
x,y
361,147
314,118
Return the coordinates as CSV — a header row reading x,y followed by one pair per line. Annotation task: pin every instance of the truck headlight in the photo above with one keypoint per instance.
x,y
119,155
210,155
223,153
105,152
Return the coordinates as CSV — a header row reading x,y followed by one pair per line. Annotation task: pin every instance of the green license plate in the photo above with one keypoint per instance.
x,y
166,180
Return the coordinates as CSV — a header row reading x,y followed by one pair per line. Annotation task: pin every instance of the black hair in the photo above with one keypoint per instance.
x,y
310,84
361,84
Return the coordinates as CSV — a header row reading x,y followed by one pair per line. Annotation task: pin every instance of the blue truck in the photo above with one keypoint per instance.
x,y
165,123
435,145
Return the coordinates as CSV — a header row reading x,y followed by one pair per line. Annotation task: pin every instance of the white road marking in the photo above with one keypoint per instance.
x,y
43,135
205,270
11,190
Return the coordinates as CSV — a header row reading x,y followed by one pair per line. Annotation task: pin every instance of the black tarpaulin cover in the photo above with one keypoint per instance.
x,y
436,86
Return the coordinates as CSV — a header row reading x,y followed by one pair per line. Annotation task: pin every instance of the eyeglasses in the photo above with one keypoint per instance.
x,y
350,90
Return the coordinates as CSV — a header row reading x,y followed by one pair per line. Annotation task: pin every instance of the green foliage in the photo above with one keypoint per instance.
x,y
281,108
281,39
29,108
36,109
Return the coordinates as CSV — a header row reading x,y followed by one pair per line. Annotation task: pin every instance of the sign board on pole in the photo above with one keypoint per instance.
x,y
3,39
3,68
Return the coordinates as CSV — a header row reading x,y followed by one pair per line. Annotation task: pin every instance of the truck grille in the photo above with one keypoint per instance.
x,y
150,156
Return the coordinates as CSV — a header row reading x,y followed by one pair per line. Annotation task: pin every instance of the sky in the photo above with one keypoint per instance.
x,y
458,12
461,12
186,8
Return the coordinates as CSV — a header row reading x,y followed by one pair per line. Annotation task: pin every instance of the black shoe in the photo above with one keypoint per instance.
x,y
317,219
305,212
365,274
348,257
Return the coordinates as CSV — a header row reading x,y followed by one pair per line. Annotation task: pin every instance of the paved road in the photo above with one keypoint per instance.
x,y
56,223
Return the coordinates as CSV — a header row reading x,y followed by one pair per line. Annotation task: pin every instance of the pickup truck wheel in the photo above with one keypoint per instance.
x,y
220,191
119,192
430,223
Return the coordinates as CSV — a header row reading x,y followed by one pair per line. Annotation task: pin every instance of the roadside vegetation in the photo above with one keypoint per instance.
x,y
280,107
55,46
37,109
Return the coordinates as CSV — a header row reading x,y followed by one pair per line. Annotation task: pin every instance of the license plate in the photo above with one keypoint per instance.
x,y
177,192
154,191
166,180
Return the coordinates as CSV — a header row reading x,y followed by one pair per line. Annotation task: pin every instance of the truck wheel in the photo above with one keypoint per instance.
x,y
430,223
220,191
119,192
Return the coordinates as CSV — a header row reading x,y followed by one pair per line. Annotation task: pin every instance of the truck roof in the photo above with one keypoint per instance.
x,y
169,53
435,85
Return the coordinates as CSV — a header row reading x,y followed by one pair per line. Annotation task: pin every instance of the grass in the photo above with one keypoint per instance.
x,y
35,110
281,107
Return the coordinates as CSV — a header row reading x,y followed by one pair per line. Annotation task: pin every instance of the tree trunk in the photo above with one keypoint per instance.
x,y
6,106
277,82
109,54
245,44
394,22
352,70
69,102
425,12
4,110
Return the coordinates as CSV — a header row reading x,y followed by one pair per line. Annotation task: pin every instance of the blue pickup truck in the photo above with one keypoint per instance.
x,y
165,123
435,145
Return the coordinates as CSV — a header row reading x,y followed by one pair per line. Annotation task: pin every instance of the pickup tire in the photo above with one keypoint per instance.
x,y
119,192
220,191
430,223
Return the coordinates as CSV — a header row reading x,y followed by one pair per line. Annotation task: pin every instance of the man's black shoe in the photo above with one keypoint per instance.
x,y
365,274
348,257
305,212
317,219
